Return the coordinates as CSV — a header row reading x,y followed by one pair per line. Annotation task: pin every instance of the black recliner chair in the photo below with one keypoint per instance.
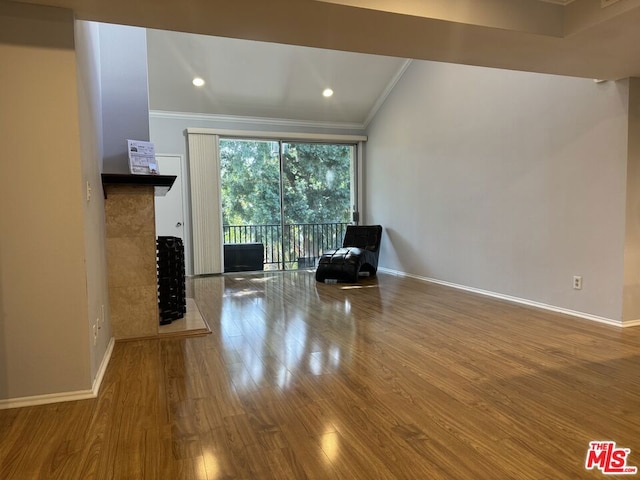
x,y
359,252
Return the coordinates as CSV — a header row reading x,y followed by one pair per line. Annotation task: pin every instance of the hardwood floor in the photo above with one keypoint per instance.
x,y
393,378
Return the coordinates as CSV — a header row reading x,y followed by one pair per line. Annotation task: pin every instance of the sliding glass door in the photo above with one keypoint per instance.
x,y
294,198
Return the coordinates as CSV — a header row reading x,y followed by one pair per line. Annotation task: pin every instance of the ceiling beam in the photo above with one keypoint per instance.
x,y
598,43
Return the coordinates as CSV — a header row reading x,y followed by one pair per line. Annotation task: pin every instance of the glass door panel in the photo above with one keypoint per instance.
x,y
251,200
317,194
294,198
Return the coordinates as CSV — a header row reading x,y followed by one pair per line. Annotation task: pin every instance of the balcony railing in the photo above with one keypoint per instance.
x,y
299,247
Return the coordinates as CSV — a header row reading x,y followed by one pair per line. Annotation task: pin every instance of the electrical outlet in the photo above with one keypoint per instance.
x,y
88,191
577,282
95,334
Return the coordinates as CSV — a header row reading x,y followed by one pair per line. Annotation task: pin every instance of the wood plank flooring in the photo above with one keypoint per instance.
x,y
390,379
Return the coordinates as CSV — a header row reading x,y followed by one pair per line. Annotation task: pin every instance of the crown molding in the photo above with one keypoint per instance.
x,y
387,91
263,121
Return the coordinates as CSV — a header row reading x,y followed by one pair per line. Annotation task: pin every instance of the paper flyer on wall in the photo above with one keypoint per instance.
x,y
142,158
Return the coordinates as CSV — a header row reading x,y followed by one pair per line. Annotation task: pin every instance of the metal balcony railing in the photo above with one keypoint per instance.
x,y
297,246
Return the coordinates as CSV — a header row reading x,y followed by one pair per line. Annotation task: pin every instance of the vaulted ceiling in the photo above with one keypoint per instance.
x,y
259,79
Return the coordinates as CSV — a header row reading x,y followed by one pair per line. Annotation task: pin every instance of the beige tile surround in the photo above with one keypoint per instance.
x,y
131,260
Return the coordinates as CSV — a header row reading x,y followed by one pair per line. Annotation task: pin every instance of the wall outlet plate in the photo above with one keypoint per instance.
x,y
577,282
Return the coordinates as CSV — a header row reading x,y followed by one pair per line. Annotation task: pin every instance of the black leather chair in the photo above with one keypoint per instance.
x,y
360,251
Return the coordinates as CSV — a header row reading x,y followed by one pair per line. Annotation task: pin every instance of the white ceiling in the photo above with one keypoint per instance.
x,y
259,79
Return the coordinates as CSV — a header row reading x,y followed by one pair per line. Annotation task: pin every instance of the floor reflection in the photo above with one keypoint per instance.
x,y
330,445
270,332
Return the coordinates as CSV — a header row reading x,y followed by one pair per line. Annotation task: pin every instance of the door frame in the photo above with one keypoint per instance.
x,y
197,157
354,169
186,208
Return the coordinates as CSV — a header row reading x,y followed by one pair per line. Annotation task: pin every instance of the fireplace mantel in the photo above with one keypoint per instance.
x,y
162,183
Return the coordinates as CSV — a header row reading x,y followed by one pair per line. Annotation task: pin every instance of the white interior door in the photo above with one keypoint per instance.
x,y
170,208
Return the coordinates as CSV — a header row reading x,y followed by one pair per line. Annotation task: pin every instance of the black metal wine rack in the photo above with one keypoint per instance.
x,y
172,303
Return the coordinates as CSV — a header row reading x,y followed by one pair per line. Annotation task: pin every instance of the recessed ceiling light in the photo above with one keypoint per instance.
x,y
198,82
327,92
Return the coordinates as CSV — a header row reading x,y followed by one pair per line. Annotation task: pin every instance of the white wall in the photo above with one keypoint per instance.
x,y
631,302
44,334
125,97
505,181
87,37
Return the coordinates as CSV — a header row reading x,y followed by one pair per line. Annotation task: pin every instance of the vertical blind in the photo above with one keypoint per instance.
x,y
206,211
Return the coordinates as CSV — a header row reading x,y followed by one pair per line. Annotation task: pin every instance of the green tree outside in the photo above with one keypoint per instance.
x,y
250,181
316,190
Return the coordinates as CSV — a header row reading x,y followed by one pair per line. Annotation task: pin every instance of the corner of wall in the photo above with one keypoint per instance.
x,y
91,142
631,287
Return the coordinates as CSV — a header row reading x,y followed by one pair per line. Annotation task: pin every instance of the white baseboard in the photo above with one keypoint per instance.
x,y
103,367
64,396
631,323
522,301
45,399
